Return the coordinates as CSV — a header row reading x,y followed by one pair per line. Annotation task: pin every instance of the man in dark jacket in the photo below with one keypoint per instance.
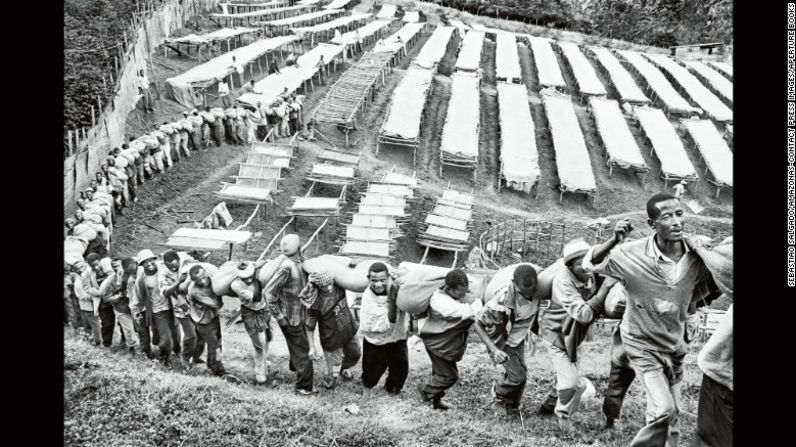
x,y
444,332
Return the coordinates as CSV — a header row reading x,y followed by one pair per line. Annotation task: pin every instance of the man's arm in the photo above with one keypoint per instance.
x,y
621,231
204,300
88,287
183,286
166,287
107,289
451,309
491,315
245,295
276,284
567,295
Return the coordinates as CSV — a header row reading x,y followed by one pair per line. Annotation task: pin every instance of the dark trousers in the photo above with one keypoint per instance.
x,y
208,333
131,187
294,125
92,325
218,132
391,357
262,131
229,132
107,322
619,379
299,349
351,353
196,138
444,374
192,344
510,387
714,417
148,335
72,310
167,332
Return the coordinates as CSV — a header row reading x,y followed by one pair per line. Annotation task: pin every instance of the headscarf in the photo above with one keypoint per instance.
x,y
315,281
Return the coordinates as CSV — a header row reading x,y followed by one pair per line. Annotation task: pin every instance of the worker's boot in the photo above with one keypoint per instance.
x,y
438,404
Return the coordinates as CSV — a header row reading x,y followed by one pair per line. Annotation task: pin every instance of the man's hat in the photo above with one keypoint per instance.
x,y
145,255
245,270
89,189
575,249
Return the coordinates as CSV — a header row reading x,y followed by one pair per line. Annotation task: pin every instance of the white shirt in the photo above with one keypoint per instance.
x,y
238,67
443,307
679,190
223,88
143,82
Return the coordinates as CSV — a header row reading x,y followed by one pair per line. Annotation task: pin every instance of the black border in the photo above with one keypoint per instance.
x,y
759,209
760,225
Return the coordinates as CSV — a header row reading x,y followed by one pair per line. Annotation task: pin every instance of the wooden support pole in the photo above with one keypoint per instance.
x,y
69,142
93,121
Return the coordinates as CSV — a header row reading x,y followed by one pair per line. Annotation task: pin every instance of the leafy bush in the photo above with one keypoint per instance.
x,y
92,29
649,22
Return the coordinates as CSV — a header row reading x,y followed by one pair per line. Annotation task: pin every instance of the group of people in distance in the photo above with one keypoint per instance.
x,y
660,277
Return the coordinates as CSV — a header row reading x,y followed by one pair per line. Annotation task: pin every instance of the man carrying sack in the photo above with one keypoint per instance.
x,y
444,329
661,273
281,293
574,305
255,315
384,333
154,309
502,325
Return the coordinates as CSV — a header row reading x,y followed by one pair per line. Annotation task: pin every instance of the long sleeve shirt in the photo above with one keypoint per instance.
x,y
282,293
116,287
568,298
444,331
508,316
84,300
444,312
204,303
166,280
659,292
91,285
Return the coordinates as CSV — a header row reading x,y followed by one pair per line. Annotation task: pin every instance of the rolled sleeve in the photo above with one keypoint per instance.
x,y
610,266
492,315
588,265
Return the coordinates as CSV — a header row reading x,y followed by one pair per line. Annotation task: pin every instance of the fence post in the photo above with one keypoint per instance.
x,y
69,142
93,122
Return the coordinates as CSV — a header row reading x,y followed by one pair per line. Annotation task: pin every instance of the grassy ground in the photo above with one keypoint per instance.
x,y
142,403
